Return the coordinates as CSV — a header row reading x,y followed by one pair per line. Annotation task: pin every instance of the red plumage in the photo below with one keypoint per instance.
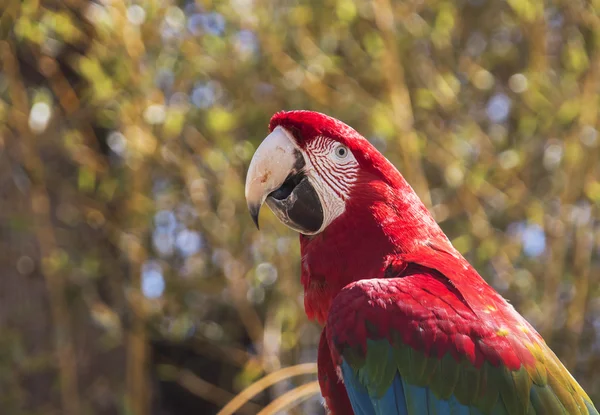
x,y
423,301
436,301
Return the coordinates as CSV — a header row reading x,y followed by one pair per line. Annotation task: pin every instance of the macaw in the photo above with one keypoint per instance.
x,y
410,327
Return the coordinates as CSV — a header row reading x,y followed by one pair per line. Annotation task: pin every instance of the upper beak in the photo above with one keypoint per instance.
x,y
276,175
275,159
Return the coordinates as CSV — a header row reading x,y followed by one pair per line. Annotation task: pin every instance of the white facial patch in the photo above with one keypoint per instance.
x,y
332,169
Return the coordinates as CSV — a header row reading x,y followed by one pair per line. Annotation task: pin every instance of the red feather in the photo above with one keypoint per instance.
x,y
384,224
430,315
437,303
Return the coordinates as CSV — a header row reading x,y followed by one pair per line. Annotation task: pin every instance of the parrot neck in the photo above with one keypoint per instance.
x,y
381,223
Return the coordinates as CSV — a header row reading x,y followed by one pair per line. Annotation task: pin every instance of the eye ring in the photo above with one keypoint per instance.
x,y
341,152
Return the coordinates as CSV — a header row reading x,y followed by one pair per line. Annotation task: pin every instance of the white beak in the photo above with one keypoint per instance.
x,y
275,159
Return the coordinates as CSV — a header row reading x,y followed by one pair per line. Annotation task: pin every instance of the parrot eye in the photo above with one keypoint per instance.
x,y
341,152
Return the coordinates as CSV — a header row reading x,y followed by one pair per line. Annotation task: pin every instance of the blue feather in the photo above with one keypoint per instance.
x,y
359,398
402,398
393,401
416,399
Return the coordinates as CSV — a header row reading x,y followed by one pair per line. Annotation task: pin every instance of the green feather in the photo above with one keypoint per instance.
x,y
538,372
402,359
514,389
566,395
447,376
542,388
499,409
468,384
354,357
488,394
429,372
417,364
378,370
545,401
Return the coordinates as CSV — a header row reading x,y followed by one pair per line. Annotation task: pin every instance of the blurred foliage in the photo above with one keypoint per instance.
x,y
133,280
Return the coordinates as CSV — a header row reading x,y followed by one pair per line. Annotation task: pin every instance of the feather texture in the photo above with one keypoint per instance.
x,y
411,327
441,363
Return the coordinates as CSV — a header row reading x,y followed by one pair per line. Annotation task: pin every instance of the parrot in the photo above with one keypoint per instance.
x,y
409,326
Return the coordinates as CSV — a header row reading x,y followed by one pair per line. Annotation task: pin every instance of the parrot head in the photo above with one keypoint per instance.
x,y
353,209
307,169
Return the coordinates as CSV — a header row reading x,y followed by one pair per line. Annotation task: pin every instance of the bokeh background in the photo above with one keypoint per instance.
x,y
133,280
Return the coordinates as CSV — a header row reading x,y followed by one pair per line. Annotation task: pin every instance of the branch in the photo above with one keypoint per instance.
x,y
269,380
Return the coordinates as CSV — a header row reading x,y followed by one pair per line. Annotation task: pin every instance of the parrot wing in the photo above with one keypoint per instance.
x,y
413,345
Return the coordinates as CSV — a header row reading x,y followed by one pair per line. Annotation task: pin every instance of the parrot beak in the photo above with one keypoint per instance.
x,y
276,175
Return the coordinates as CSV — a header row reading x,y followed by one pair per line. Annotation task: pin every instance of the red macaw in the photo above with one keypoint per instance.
x,y
410,327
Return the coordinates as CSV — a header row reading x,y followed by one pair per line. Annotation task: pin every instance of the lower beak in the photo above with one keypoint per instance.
x,y
276,175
